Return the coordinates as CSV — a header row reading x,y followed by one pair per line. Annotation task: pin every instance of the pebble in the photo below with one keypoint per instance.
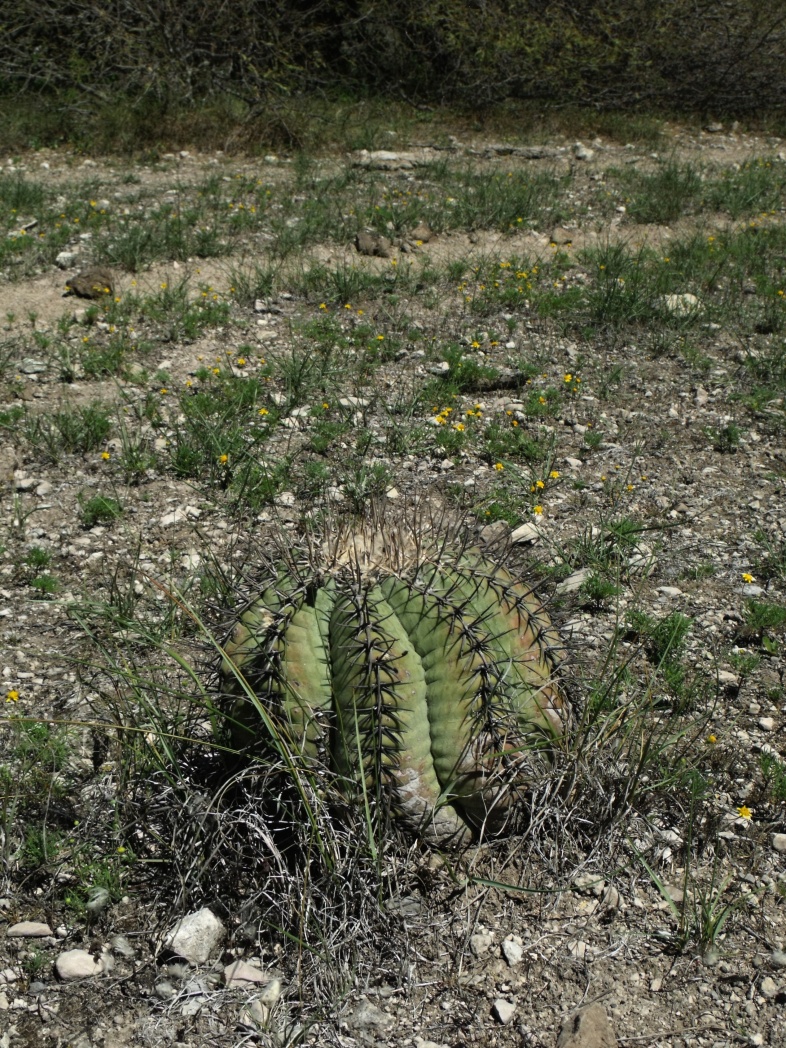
x,y
778,958
481,943
196,936
367,1014
767,723
779,842
29,930
768,987
254,1015
513,950
574,581
503,1011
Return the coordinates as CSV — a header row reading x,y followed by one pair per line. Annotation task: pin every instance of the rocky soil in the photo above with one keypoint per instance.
x,y
669,931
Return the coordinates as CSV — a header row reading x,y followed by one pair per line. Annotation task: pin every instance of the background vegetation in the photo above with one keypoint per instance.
x,y
129,66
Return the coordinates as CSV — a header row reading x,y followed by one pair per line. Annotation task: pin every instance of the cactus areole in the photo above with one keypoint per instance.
x,y
426,686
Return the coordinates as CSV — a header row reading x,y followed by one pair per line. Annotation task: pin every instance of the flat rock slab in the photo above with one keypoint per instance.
x,y
79,964
196,936
29,930
589,1028
241,972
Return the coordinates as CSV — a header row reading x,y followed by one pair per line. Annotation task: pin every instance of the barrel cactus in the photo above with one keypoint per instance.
x,y
419,676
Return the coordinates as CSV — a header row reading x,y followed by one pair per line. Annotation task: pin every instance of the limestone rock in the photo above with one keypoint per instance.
x,y
240,972
681,305
29,930
503,1011
196,936
80,964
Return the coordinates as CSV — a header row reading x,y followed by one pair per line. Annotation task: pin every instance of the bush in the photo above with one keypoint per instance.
x,y
711,56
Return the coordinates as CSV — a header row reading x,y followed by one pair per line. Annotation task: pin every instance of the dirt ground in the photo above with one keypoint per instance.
x,y
675,922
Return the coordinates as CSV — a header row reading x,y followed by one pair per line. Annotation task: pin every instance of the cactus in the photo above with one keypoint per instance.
x,y
422,678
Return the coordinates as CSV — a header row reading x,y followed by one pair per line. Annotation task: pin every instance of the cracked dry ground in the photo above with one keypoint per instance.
x,y
646,453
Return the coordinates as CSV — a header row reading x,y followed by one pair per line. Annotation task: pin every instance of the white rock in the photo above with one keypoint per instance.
x,y
768,987
681,305
481,943
241,972
582,152
44,488
574,581
254,1015
175,517
196,936
271,993
354,402
526,533
65,259
367,1014
79,964
779,842
512,950
767,723
503,1010
778,958
29,930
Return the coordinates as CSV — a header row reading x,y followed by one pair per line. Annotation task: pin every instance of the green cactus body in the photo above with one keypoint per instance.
x,y
429,690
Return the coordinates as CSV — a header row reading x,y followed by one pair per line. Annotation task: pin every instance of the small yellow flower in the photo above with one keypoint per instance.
x,y
554,474
241,362
347,306
541,400
569,377
476,345
216,371
380,338
121,850
12,695
498,467
460,427
537,510
747,577
163,392
540,485
325,405
712,739
322,305
163,286
744,812
105,456
223,459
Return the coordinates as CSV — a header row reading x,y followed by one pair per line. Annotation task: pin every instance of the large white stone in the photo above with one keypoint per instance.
x,y
79,964
196,936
